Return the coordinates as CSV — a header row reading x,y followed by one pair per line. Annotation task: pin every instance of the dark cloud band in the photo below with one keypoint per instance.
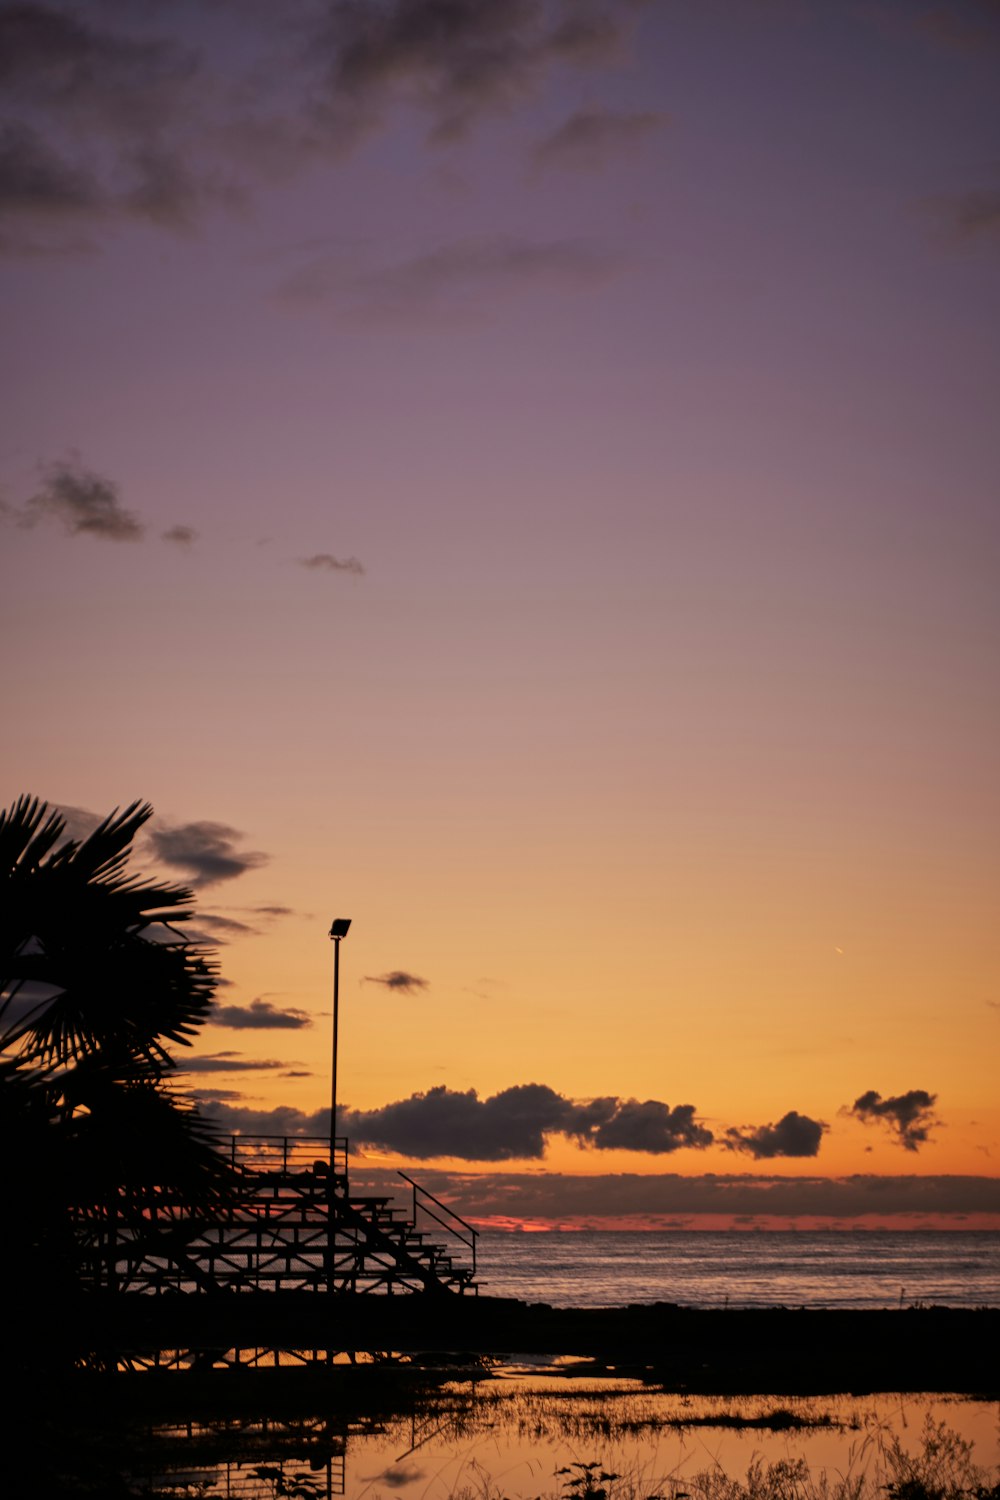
x,y
511,1125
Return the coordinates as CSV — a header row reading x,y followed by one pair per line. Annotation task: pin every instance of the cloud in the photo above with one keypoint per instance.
x,y
180,536
37,182
650,1126
555,1195
197,1094
259,1015
794,1135
397,1475
213,928
207,851
219,928
120,114
589,138
169,194
965,29
972,215
909,1116
83,503
90,77
515,1123
226,1062
325,561
458,60
398,979
283,1119
453,279
101,118
444,1122
210,927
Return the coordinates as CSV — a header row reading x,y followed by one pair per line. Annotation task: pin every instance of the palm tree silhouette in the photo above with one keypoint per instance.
x,y
97,983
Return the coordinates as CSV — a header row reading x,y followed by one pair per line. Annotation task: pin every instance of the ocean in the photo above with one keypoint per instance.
x,y
862,1269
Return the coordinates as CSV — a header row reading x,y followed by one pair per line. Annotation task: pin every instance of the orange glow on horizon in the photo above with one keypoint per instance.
x,y
741,1223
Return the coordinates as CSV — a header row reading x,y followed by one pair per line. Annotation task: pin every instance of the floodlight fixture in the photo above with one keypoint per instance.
x,y
338,930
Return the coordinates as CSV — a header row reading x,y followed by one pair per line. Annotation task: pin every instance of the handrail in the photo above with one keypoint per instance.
x,y
453,1217
285,1153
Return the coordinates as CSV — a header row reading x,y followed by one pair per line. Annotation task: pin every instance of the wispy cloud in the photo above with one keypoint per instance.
x,y
206,851
399,980
83,504
226,1062
96,126
37,183
794,1135
458,60
215,927
592,137
397,1475
212,928
969,216
259,1015
180,536
325,562
89,75
908,1116
122,114
964,28
455,280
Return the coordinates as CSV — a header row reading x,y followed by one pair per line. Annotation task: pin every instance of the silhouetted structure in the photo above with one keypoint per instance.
x,y
290,1225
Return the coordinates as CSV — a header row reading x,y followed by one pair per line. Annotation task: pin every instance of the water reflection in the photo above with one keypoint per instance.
x,y
504,1431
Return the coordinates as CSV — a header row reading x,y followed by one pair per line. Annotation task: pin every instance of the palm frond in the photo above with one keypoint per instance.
x,y
28,830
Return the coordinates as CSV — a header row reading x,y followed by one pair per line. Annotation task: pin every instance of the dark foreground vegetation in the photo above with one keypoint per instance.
x,y
98,985
270,1432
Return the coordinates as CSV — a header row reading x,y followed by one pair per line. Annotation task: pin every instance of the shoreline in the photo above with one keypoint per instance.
x,y
721,1351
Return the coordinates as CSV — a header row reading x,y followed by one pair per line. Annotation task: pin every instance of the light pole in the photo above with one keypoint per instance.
x,y
337,932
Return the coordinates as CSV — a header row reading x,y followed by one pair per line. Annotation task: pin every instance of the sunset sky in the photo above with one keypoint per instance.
x,y
523,475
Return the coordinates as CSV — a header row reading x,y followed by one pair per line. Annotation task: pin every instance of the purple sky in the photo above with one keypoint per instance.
x,y
532,469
